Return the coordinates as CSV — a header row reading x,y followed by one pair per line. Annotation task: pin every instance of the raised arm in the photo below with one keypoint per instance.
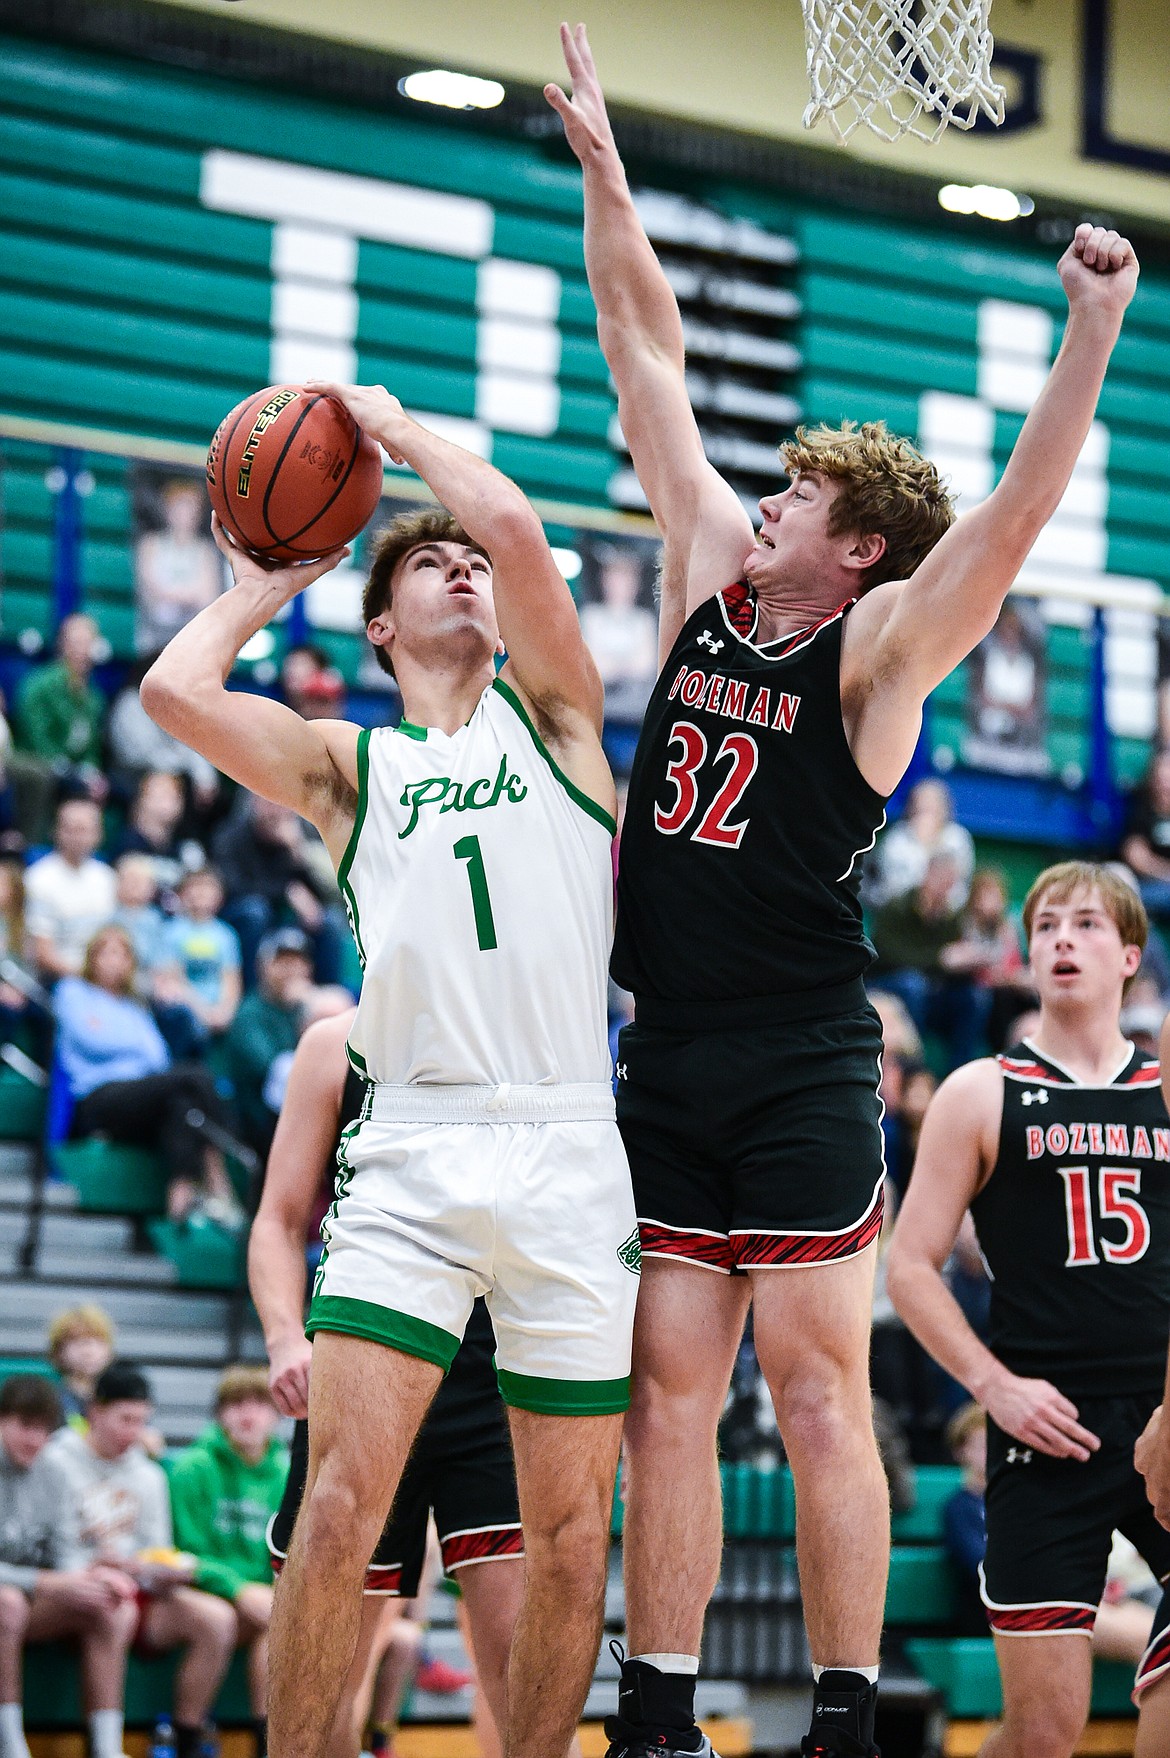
x,y
310,765
302,1150
955,1152
537,617
917,633
705,529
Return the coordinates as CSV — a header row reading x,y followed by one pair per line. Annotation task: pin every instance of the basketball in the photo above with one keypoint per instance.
x,y
291,475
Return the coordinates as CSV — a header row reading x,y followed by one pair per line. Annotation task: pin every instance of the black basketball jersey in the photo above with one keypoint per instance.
x,y
469,1388
1074,1224
746,818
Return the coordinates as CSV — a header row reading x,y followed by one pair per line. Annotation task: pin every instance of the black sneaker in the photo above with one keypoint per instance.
x,y
629,1739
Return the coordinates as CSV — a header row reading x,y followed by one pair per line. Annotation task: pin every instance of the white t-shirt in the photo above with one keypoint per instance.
x,y
67,904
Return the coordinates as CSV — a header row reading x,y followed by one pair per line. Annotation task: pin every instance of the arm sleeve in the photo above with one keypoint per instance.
x,y
192,1509
33,721
19,1575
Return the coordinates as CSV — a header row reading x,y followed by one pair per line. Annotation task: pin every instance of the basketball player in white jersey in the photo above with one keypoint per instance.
x,y
472,845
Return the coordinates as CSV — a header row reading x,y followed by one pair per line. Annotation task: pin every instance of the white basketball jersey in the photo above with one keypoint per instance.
x,y
479,885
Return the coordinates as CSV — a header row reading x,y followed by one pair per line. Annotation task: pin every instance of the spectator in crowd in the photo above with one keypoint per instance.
x,y
266,1028
122,1082
913,935
137,745
205,951
7,797
69,893
61,712
44,1596
263,856
137,911
176,569
1146,846
81,1346
964,1525
988,952
154,828
622,634
926,828
116,1516
13,937
311,684
224,1491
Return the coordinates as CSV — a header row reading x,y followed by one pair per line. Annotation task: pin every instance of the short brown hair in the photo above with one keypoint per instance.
x,y
238,1384
884,486
406,532
1122,904
33,1398
80,1321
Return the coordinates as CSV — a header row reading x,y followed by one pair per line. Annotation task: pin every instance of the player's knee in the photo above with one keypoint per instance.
x,y
572,1548
335,1520
669,1416
821,1414
1045,1728
14,1612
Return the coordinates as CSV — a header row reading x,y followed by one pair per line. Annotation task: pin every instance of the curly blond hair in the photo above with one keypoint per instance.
x,y
884,486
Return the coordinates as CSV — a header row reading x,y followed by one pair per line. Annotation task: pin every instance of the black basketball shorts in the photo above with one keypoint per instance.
x,y
755,1145
1050,1525
468,1484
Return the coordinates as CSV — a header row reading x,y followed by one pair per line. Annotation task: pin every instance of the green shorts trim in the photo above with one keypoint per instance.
x,y
525,1391
382,1324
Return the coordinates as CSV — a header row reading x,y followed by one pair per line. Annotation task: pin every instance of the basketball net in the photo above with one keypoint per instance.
x,y
900,67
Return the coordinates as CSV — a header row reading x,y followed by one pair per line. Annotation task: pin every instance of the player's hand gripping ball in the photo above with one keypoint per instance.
x,y
291,475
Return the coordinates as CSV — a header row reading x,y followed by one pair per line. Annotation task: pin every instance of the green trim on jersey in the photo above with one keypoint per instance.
x,y
356,1061
363,791
409,731
382,1324
574,793
526,1391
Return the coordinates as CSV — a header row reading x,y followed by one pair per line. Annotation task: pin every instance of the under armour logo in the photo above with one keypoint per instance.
x,y
621,1071
1019,1455
1039,1097
706,639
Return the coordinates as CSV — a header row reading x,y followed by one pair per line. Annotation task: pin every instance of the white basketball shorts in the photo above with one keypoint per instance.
x,y
521,1194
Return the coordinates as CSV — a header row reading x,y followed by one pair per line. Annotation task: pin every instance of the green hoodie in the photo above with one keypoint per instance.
x,y
221,1507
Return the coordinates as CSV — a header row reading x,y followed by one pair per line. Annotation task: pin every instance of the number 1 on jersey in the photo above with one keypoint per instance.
x,y
468,849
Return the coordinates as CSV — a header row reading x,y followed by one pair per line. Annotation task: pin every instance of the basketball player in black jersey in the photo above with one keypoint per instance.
x,y
461,1466
795,667
1061,1150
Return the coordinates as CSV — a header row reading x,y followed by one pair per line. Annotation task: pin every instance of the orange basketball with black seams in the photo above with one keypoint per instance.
x,y
291,475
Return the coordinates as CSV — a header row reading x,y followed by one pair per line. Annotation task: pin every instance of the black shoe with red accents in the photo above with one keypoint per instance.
x,y
629,1739
656,1714
844,1703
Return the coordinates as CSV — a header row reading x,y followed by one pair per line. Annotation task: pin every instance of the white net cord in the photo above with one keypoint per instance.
x,y
900,66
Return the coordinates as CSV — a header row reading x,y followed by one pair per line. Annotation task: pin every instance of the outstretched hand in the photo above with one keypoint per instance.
x,y
1099,270
584,115
283,578
373,407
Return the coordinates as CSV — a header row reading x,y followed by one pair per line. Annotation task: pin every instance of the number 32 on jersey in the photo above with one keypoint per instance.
x,y
734,764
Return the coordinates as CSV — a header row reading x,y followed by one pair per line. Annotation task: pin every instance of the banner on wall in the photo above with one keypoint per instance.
x,y
1007,695
177,568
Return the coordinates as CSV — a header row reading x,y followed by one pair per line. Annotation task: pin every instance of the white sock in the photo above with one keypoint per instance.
x,y
12,1741
670,1663
105,1733
868,1673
